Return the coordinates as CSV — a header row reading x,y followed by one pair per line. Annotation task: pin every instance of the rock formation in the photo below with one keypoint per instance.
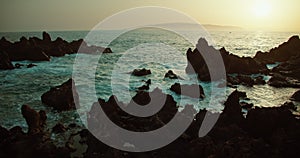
x,y
63,97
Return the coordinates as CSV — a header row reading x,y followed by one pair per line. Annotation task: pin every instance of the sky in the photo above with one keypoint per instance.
x,y
50,15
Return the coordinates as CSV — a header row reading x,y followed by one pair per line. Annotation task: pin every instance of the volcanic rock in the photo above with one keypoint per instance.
x,y
63,97
194,91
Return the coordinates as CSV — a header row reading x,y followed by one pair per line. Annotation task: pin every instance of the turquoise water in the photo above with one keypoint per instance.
x,y
153,49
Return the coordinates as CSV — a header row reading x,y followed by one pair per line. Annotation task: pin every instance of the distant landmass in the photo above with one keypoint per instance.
x,y
196,26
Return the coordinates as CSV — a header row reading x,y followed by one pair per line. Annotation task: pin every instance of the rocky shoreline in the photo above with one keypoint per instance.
x,y
35,49
261,132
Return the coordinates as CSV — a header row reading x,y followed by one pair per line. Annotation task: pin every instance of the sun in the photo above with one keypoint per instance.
x,y
261,9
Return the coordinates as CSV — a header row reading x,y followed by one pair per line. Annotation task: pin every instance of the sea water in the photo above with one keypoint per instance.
x,y
153,49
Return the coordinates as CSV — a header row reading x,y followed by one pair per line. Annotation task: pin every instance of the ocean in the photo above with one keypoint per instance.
x,y
154,49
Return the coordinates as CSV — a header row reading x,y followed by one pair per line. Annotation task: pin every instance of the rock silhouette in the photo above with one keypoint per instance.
x,y
296,96
232,63
141,72
194,91
5,63
63,97
36,49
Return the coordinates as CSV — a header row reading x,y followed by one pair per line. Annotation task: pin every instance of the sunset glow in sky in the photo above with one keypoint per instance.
x,y
36,15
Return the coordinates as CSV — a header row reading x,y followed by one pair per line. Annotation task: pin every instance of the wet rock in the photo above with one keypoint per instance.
x,y
171,75
143,87
284,52
134,123
296,96
5,63
246,105
18,65
63,97
279,80
194,91
31,65
233,63
46,37
232,112
141,72
33,119
259,80
36,49
59,128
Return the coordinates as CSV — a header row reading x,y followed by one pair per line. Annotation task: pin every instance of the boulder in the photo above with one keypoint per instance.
x,y
35,120
194,90
171,75
63,97
141,72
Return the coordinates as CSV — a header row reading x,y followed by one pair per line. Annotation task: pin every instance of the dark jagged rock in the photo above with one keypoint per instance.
x,y
284,52
232,63
246,106
263,121
141,72
18,65
265,132
289,105
63,97
31,65
124,120
232,111
59,128
5,63
143,87
296,96
287,74
279,80
194,91
245,80
37,143
171,75
34,120
46,37
36,49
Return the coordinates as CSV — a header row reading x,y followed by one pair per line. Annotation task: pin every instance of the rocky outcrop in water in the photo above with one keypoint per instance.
x,y
232,63
194,91
5,63
141,72
63,97
287,74
36,49
284,52
245,80
35,120
171,75
296,96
